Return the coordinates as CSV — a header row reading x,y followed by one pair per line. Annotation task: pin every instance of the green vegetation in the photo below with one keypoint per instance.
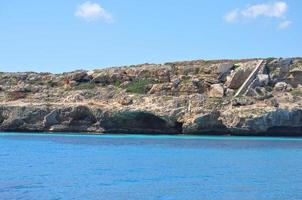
x,y
235,66
117,83
167,98
196,71
138,86
270,59
84,86
296,92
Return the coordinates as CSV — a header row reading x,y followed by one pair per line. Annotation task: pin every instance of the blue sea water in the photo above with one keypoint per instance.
x,y
137,167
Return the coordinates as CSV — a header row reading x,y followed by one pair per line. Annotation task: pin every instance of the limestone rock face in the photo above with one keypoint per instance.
x,y
295,77
51,118
205,123
268,121
190,97
239,75
138,122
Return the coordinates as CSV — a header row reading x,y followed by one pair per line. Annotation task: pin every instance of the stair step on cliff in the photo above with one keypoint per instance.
x,y
250,79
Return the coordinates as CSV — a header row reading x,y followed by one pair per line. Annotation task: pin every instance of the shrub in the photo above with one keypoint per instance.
x,y
117,83
139,86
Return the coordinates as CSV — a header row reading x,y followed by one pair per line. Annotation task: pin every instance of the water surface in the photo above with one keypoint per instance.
x,y
138,167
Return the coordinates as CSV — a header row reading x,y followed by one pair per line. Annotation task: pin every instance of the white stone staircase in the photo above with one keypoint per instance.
x,y
249,80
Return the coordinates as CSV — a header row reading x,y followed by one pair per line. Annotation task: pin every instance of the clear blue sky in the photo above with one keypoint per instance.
x,y
63,35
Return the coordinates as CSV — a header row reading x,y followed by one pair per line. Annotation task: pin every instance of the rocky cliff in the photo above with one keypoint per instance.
x,y
193,97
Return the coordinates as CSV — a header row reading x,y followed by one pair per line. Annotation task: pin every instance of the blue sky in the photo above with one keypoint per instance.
x,y
66,35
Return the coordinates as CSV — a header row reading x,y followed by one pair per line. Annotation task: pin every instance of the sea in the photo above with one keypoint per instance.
x,y
148,167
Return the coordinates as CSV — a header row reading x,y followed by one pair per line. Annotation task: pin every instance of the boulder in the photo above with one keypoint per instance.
x,y
263,79
224,68
229,92
79,76
239,75
295,77
125,100
101,77
280,86
242,101
216,90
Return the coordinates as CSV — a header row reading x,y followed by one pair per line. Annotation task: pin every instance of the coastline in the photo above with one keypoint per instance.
x,y
146,136
253,97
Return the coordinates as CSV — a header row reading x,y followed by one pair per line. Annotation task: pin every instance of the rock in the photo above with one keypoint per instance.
x,y
216,90
178,102
262,93
80,115
79,76
51,119
230,92
204,123
278,69
156,88
239,75
263,79
125,101
176,82
224,68
280,86
196,82
73,83
177,113
295,77
101,78
15,95
242,101
263,121
125,84
139,122
273,102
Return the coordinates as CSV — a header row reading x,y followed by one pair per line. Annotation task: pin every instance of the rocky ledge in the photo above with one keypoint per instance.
x,y
221,97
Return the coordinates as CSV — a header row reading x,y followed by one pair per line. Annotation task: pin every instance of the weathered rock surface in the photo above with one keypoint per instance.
x,y
193,97
216,90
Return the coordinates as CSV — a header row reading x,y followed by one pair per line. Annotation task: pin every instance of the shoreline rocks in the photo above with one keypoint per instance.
x,y
194,98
